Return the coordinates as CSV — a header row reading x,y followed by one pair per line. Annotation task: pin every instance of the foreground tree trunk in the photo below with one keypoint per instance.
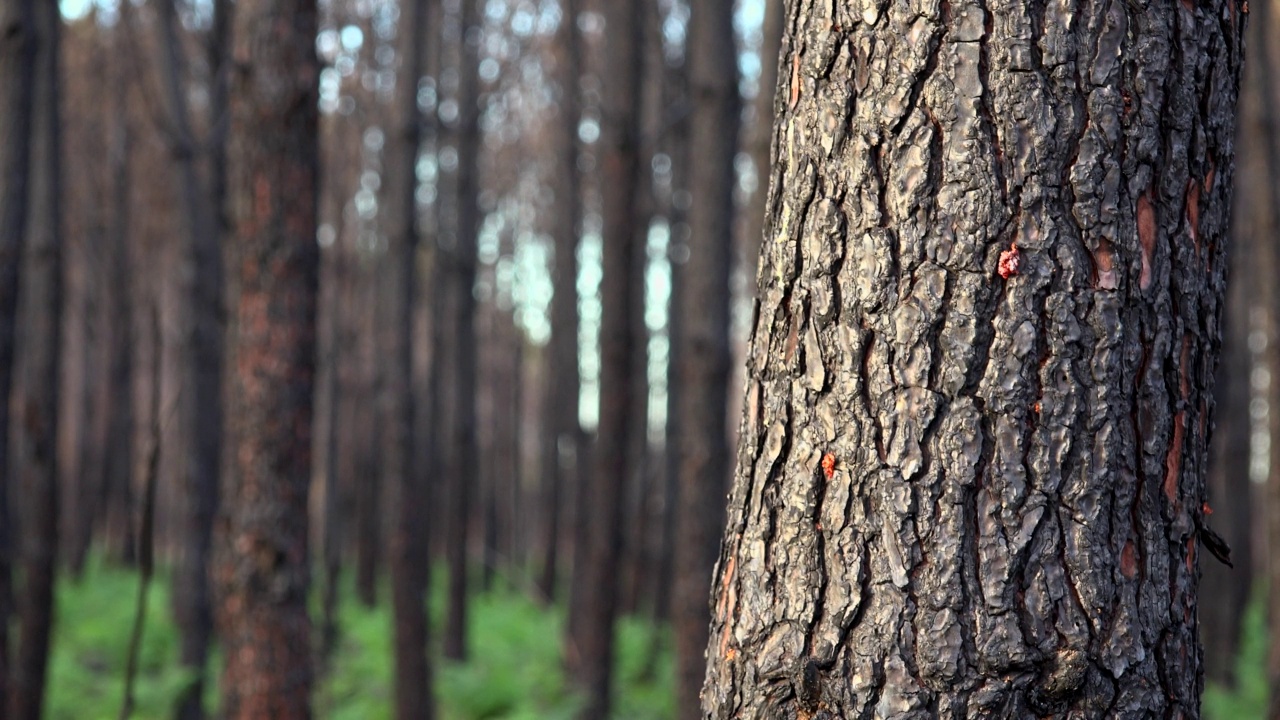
x,y
36,376
261,571
971,473
705,359
17,72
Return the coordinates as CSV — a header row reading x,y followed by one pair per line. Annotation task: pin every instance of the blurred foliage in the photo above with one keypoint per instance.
x,y
514,671
1248,699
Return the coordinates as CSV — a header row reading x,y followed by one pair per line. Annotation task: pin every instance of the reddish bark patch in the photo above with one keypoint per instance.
x,y
728,603
1208,177
795,82
1173,461
1147,237
1009,260
1188,5
1105,265
829,465
1129,561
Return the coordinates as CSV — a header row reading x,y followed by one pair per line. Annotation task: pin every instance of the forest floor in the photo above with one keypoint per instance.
x,y
514,670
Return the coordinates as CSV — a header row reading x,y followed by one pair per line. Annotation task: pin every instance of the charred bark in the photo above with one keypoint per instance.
x,y
260,566
971,471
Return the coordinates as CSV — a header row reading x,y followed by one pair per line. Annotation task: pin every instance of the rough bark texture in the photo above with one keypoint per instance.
x,y
17,68
620,174
261,571
409,560
36,375
971,471
560,428
704,363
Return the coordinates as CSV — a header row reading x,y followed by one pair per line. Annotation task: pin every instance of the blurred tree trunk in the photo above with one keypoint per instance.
x,y
409,559
606,491
464,453
704,366
366,453
758,135
36,375
560,429
202,404
1225,592
972,485
17,73
261,568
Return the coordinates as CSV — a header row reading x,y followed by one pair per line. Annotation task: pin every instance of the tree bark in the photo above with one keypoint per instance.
x,y
971,475
409,559
261,571
464,455
620,175
704,364
560,429
36,375
17,73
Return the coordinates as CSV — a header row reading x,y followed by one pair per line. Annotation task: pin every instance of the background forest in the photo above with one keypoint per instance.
x,y
462,449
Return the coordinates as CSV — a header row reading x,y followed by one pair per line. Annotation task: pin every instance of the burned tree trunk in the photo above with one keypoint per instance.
x,y
971,475
260,566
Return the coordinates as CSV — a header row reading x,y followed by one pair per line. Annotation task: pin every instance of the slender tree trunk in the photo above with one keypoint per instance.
x,y
560,428
17,72
464,456
620,175
202,407
261,565
409,559
971,475
37,374
704,364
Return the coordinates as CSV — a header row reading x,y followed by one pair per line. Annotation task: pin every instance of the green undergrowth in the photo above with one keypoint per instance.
x,y
1248,700
514,669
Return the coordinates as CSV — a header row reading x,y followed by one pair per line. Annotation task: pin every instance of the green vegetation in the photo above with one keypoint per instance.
x,y
514,671
1248,699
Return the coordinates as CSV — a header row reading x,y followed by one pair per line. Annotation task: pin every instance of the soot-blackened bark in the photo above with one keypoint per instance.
x,y
705,359
260,564
975,429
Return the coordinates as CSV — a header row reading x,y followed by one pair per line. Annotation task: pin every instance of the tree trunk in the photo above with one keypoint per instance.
x,y
620,174
17,73
971,473
560,428
464,454
202,409
409,560
704,365
36,376
261,563
758,136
